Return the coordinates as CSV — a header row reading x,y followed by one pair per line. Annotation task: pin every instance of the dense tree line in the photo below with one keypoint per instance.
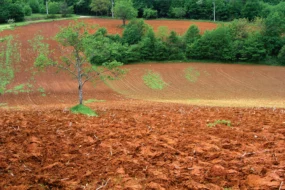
x,y
225,10
239,41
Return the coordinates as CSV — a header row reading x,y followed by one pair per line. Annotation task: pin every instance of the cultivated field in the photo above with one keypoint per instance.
x,y
212,126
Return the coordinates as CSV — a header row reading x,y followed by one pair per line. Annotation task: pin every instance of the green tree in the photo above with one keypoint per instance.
x,y
54,8
274,29
281,55
192,34
252,9
27,10
34,4
149,13
77,47
124,9
134,31
100,6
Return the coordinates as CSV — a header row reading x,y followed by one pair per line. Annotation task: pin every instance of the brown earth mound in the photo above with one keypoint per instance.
x,y
143,146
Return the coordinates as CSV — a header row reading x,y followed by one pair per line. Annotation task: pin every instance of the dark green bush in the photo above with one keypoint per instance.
x,y
134,31
149,13
27,10
34,4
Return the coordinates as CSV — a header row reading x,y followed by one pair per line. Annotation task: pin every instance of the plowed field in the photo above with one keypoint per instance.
x,y
144,138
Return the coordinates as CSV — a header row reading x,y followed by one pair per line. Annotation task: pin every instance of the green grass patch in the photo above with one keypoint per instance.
x,y
224,122
3,104
191,74
81,109
92,101
153,80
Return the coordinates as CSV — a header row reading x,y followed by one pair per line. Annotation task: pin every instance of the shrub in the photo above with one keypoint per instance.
x,y
54,8
216,45
34,4
27,10
16,12
178,12
81,109
134,31
281,55
149,13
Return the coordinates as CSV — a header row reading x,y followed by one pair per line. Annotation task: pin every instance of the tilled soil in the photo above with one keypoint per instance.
x,y
143,146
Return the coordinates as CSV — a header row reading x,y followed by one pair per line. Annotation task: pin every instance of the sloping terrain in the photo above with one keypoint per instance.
x,y
141,140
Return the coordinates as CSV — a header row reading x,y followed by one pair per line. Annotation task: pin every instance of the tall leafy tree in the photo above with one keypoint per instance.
x,y
100,6
77,48
124,9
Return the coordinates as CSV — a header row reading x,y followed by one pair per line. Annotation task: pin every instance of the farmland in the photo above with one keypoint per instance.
x,y
209,126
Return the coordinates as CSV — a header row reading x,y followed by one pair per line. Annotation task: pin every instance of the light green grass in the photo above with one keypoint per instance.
x,y
81,109
3,104
153,80
92,101
33,19
191,74
225,122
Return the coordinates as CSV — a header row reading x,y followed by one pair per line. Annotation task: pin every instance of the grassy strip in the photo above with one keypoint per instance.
x,y
191,74
81,109
225,122
92,100
153,80
42,18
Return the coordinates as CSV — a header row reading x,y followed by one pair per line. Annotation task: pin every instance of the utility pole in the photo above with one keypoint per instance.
x,y
112,8
214,3
47,6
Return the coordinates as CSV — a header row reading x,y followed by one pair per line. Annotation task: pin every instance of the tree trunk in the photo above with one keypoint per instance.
x,y
47,6
124,22
80,91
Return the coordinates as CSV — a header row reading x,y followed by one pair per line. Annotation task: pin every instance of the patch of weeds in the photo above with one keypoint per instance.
x,y
81,109
92,100
191,74
153,80
3,104
225,122
22,88
227,188
42,90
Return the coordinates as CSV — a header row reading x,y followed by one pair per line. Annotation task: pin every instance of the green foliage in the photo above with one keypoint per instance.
x,y
81,109
149,13
100,6
178,12
192,34
251,9
252,48
216,45
66,10
124,9
281,55
21,88
225,122
153,80
134,31
78,47
191,74
34,4
9,58
27,10
54,7
16,12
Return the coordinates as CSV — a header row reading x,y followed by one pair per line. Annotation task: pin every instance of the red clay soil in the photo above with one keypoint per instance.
x,y
143,146
227,84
